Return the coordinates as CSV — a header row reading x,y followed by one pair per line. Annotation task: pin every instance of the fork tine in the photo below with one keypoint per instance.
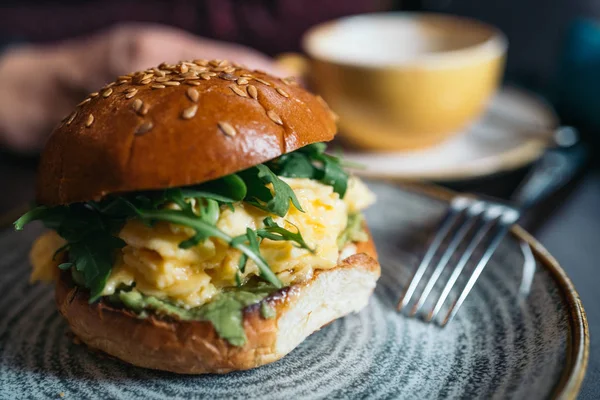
x,y
506,221
473,213
458,205
490,217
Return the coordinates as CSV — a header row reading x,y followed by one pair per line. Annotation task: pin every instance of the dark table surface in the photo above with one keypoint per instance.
x,y
567,224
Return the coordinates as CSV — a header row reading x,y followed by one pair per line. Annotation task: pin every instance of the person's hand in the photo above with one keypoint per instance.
x,y
41,84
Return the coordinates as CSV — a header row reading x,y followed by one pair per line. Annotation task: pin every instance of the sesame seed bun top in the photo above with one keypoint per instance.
x,y
177,125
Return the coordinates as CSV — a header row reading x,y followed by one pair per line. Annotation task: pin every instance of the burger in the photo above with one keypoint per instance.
x,y
196,223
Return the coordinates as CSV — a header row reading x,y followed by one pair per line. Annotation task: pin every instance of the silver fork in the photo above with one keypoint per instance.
x,y
475,223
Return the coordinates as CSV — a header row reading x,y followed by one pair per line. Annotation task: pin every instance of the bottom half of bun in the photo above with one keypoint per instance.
x,y
193,347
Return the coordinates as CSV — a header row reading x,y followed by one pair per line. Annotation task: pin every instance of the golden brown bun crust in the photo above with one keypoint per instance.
x,y
82,162
193,347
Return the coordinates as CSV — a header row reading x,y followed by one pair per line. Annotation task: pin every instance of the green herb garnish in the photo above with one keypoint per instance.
x,y
277,200
312,162
91,228
90,240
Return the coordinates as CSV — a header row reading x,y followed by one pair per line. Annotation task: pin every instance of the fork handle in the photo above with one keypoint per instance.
x,y
553,170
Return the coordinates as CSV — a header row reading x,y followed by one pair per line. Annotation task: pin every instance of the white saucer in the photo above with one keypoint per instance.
x,y
514,131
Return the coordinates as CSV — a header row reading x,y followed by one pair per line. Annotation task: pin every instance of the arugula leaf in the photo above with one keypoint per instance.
x,y
229,189
312,162
294,165
259,195
65,266
275,232
93,257
252,240
313,148
225,312
36,213
89,234
208,212
334,174
201,227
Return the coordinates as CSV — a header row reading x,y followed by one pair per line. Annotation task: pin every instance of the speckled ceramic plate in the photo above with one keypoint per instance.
x,y
497,347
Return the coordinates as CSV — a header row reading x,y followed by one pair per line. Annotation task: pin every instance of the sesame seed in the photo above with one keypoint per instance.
x,y
93,94
192,78
163,79
124,77
205,76
122,81
109,85
227,128
193,94
144,127
202,63
157,86
193,83
247,75
242,81
89,121
137,105
144,109
252,91
87,100
107,92
227,77
290,80
171,83
183,68
229,70
274,117
262,81
282,92
219,63
145,81
71,117
189,112
238,91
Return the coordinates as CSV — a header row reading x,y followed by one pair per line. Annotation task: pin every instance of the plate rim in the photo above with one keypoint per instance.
x,y
569,384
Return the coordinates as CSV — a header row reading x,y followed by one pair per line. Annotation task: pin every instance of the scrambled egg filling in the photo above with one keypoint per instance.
x,y
190,277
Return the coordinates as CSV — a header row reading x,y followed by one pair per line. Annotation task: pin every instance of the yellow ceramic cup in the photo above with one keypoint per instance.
x,y
403,80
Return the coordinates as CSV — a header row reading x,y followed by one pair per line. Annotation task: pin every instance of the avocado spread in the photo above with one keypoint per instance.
x,y
354,231
225,310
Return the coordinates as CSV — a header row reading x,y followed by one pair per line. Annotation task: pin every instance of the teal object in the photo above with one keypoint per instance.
x,y
579,76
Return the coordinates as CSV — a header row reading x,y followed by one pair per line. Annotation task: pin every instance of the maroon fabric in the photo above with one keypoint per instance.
x,y
271,26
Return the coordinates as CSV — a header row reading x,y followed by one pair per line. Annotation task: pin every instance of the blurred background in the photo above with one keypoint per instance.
x,y
470,104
